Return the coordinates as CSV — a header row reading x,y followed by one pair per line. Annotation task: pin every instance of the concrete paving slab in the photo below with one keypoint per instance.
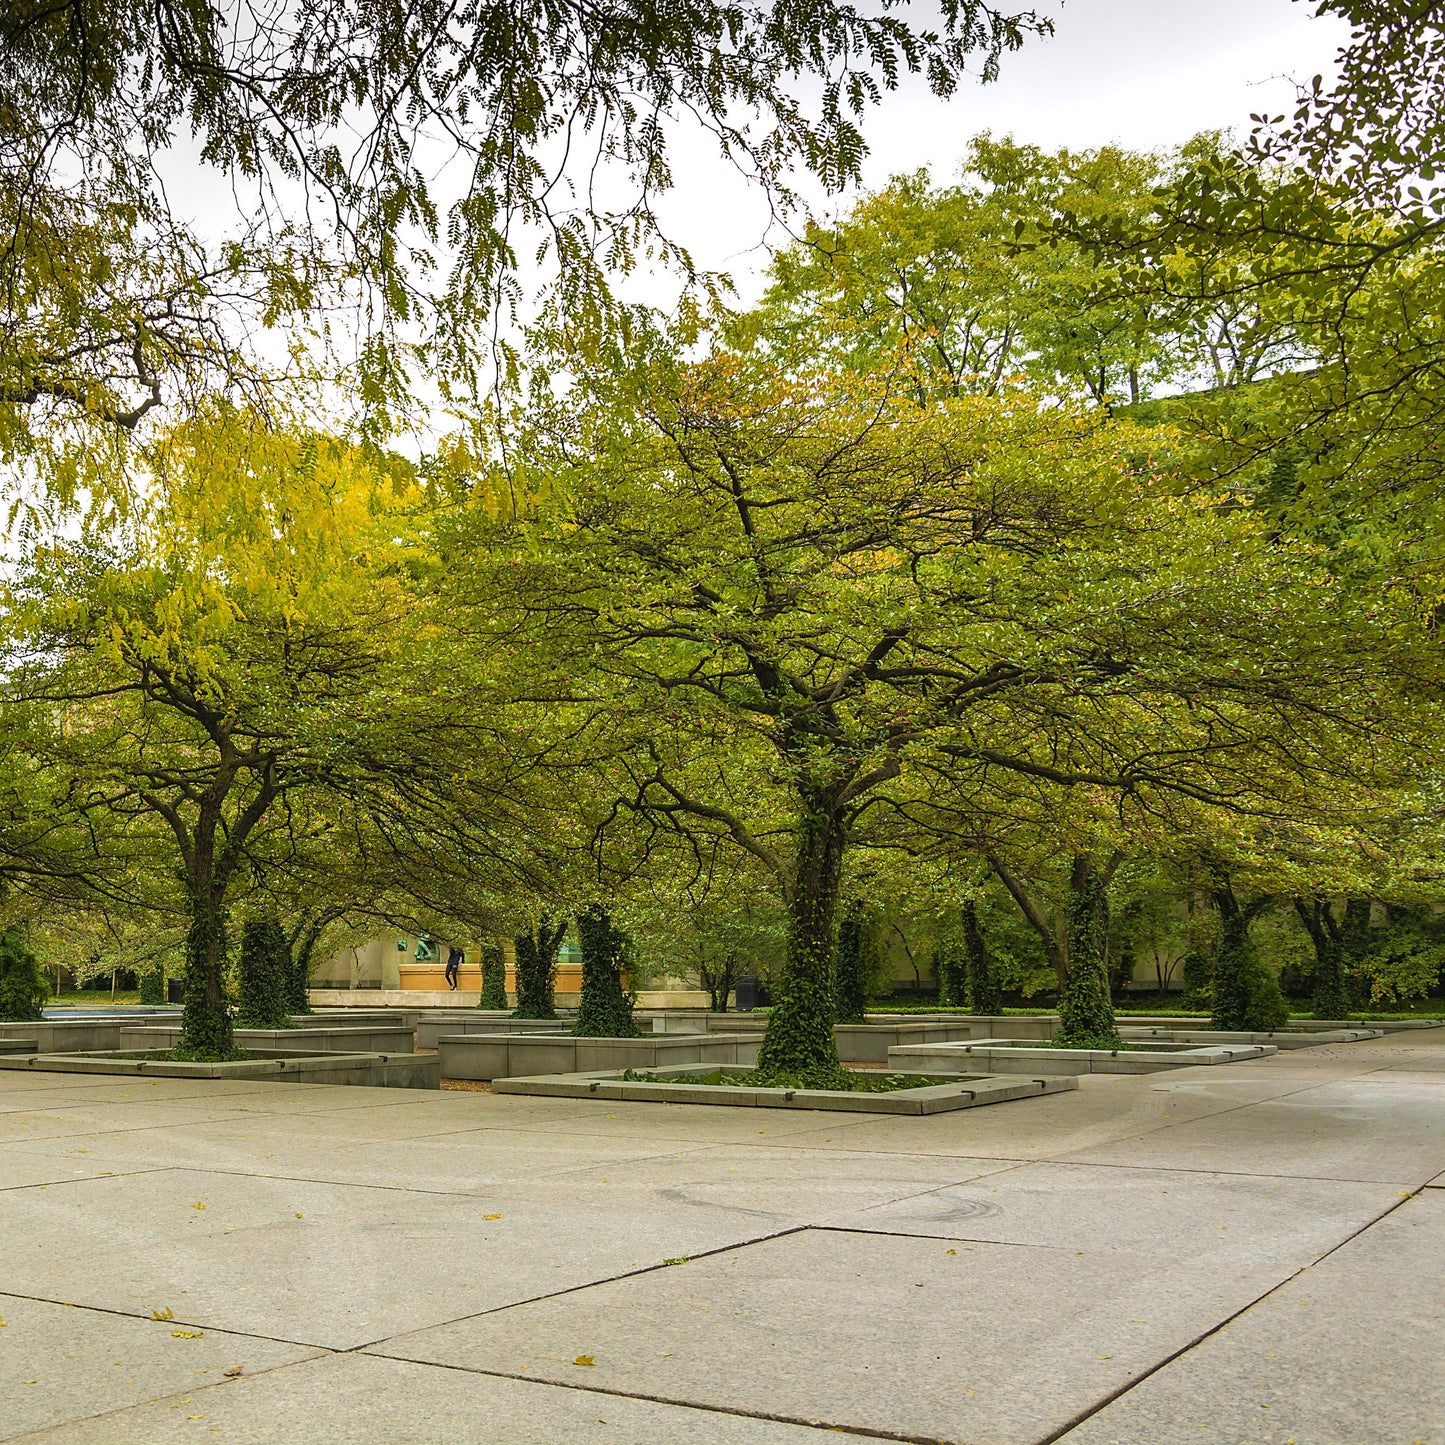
x,y
67,1121
22,1168
1350,1351
1104,1108
339,1265
360,1397
1340,1130
461,1162
1181,1216
57,1363
992,1344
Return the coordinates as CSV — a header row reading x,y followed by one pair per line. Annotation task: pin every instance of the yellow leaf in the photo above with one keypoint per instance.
x,y
491,1216
584,1360
198,1205
187,1334
166,1314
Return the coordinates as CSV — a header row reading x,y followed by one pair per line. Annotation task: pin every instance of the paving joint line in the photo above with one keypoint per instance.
x,y
45,1430
117,1313
642,1269
868,1432
1090,1411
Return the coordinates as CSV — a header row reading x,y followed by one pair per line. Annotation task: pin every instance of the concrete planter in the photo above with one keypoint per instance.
x,y
72,1035
1290,1039
328,1040
387,1071
1013,1056
431,1027
960,1092
503,1056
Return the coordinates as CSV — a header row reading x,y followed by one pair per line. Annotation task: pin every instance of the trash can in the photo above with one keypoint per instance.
x,y
175,990
746,994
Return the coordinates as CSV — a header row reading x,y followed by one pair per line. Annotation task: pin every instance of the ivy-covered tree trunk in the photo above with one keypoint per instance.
x,y
299,951
799,1045
537,969
23,989
950,968
1354,943
494,977
984,995
205,1019
849,1004
1086,1011
265,976
1247,995
1331,993
605,1009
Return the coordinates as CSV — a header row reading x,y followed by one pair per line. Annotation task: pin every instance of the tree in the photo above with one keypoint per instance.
x,y
266,976
605,1008
330,120
494,978
774,598
1331,938
536,952
22,986
849,1002
983,990
230,657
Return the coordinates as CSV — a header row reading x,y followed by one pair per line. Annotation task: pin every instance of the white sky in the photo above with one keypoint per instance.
x,y
1141,73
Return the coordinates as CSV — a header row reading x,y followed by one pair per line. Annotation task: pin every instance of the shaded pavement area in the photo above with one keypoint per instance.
x,y
1251,1252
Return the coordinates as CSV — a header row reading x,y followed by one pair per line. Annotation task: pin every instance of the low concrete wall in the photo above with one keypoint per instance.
x,y
430,1027
503,1056
1312,1039
995,1056
385,1071
68,1035
329,1040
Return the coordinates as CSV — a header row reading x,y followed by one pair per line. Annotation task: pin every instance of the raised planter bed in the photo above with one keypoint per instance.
x,y
503,1056
963,1091
97,1031
1015,1056
1281,1039
327,1039
431,1027
387,1071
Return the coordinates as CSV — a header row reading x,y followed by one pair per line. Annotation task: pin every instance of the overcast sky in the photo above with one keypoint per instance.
x,y
1141,73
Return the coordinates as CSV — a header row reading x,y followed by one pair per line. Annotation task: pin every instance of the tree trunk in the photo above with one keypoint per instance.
x,y
494,978
606,1008
799,1043
537,969
1331,1000
849,1004
265,976
1354,940
1086,1012
983,989
205,1020
1246,994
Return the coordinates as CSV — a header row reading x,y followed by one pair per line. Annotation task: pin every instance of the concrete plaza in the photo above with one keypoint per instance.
x,y
1251,1252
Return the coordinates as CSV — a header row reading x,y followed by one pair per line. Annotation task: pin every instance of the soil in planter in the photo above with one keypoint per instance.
x,y
844,1081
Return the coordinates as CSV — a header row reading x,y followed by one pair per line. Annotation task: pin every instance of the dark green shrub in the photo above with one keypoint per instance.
x,y
153,985
23,989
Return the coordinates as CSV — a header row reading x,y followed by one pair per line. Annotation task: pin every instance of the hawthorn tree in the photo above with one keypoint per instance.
x,y
775,598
